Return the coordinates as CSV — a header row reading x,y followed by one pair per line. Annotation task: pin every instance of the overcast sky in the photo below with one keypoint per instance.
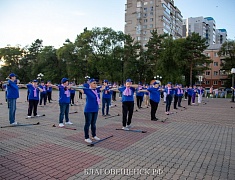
x,y
53,21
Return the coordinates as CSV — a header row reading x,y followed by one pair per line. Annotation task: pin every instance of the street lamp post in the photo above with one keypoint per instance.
x,y
233,72
40,75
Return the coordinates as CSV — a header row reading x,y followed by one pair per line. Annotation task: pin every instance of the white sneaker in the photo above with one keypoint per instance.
x,y
14,123
38,115
61,125
70,123
29,116
88,140
128,126
96,138
125,128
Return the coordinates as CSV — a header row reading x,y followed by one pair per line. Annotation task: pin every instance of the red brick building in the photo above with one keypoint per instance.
x,y
214,76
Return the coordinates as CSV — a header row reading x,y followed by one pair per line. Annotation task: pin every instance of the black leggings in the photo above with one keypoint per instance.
x,y
127,110
168,102
72,95
154,106
33,105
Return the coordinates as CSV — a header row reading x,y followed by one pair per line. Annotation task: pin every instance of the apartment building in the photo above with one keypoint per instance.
x,y
215,75
143,16
206,28
221,36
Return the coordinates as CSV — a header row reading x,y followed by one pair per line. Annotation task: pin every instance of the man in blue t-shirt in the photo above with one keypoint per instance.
x,y
12,95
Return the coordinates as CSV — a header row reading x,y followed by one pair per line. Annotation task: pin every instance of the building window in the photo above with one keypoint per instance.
x,y
144,32
145,20
138,38
151,26
145,38
151,19
145,3
215,73
207,82
138,4
222,82
215,63
208,73
215,82
145,9
151,8
145,15
151,13
144,26
151,2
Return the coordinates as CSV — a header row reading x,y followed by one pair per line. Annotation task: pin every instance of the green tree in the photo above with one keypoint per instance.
x,y
11,57
227,56
193,58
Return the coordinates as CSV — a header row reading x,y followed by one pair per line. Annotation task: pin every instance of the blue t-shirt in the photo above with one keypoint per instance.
x,y
154,94
12,90
107,92
44,88
139,93
72,91
200,91
127,98
91,101
49,89
172,91
64,95
190,91
180,92
194,91
33,92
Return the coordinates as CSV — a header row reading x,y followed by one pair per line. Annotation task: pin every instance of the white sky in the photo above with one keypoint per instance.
x,y
53,21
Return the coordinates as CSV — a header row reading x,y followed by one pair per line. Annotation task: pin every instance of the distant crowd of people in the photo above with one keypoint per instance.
x,y
41,93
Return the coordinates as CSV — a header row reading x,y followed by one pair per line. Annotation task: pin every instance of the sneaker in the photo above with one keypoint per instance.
x,y
96,138
70,123
108,115
61,125
154,119
88,140
38,115
125,128
167,113
14,123
29,116
128,126
103,115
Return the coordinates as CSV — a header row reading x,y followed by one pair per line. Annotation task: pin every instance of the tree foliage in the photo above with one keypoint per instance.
x,y
103,53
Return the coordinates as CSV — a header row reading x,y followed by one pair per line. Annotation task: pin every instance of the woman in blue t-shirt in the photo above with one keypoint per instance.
x,y
154,99
12,95
91,110
64,101
106,98
33,97
127,103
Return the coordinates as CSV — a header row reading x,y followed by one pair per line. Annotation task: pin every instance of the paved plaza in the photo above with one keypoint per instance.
x,y
194,143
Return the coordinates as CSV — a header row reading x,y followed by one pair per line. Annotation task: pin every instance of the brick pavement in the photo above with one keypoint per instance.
x,y
196,143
